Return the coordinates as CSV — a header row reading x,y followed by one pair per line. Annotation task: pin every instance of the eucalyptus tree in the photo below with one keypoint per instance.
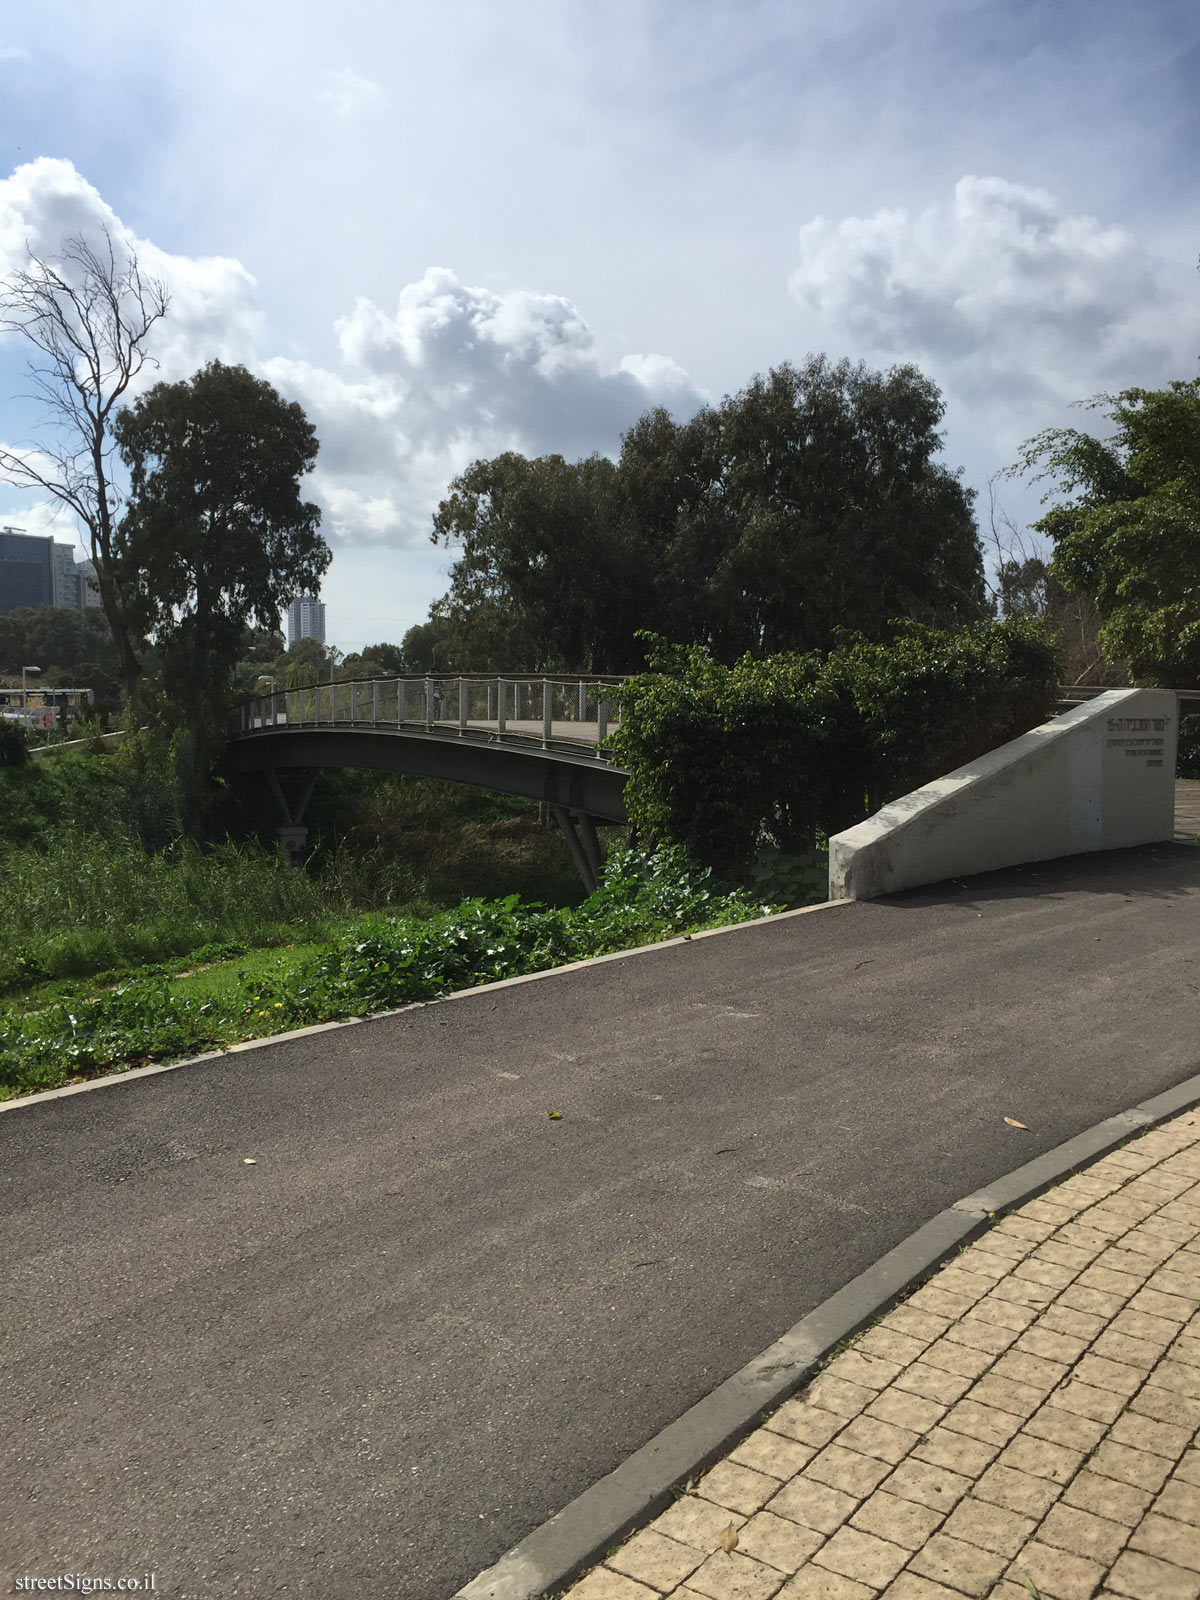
x,y
809,503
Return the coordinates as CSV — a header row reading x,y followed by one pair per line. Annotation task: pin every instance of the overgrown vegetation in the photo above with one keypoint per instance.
x,y
96,873
378,962
1188,763
780,752
1125,529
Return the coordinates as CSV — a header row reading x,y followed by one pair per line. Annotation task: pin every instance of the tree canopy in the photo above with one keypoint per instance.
x,y
216,537
808,502
1129,529
73,648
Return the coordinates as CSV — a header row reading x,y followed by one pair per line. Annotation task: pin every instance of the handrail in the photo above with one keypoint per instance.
x,y
546,710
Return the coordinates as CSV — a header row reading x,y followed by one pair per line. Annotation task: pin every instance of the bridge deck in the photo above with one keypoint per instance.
x,y
586,735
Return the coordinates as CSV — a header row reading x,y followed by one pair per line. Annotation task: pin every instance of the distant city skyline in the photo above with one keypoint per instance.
x,y
37,570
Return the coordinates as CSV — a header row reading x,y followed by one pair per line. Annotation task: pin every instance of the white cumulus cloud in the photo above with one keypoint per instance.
x,y
213,313
348,91
1004,294
415,394
455,373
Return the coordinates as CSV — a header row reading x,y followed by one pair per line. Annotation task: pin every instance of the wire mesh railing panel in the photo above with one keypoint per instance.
x,y
519,707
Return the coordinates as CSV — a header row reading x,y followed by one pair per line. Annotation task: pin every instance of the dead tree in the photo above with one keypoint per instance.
x,y
88,319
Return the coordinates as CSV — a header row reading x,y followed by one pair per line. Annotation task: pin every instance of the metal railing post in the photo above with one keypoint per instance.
x,y
429,703
374,702
602,720
401,701
501,705
547,711
354,702
583,702
462,705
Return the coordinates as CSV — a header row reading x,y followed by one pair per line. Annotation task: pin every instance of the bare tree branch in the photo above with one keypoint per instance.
x,y
88,319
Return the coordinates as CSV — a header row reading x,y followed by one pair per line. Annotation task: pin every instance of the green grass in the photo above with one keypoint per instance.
x,y
95,876
221,980
56,1035
88,904
121,942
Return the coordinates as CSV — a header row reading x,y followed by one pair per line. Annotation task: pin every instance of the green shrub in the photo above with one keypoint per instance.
x,y
1188,761
14,745
778,752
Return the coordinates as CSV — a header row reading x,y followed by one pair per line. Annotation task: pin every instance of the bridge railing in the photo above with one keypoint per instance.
x,y
519,707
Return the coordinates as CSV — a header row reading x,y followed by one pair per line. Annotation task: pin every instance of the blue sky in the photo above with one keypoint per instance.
x,y
451,231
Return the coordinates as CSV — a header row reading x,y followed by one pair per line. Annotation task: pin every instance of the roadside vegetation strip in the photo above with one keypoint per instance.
x,y
376,963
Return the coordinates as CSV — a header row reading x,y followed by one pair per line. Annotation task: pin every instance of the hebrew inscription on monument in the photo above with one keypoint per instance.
x,y
1141,738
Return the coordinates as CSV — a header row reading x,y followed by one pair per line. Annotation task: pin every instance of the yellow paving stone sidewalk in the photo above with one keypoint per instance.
x,y
1025,1424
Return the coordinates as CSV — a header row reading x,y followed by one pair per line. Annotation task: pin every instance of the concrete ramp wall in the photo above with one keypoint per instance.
x,y
1100,777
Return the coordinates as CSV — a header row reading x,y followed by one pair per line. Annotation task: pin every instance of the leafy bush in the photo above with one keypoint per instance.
x,y
14,746
1188,761
775,753
378,963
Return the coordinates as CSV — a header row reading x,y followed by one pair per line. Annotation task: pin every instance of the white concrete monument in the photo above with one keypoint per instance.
x,y
1099,777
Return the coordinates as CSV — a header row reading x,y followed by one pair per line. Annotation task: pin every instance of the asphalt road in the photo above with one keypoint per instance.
x,y
429,1314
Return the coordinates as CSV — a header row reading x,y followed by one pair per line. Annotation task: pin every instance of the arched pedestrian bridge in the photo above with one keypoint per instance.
x,y
538,737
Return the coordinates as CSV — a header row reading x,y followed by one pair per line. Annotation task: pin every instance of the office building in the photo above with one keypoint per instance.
x,y
306,619
37,570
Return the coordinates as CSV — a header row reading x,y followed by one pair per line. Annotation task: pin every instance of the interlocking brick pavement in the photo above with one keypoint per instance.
x,y
1025,1424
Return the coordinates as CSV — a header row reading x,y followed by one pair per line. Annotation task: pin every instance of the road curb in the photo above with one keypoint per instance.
x,y
579,1535
110,1080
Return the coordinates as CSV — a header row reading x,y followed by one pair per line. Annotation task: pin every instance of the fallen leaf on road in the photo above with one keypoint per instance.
x,y
728,1540
1013,1123
249,1161
555,1116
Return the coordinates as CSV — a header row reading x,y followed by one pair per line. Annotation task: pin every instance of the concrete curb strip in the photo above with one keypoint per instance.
x,y
112,1079
553,1555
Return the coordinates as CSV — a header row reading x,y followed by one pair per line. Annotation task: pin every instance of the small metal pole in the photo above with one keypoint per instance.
x,y
601,720
428,703
401,701
583,702
374,701
491,702
462,705
547,711
501,706
354,702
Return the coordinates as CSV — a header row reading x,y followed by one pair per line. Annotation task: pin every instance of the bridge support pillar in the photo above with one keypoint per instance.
x,y
585,852
591,844
292,834
293,840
